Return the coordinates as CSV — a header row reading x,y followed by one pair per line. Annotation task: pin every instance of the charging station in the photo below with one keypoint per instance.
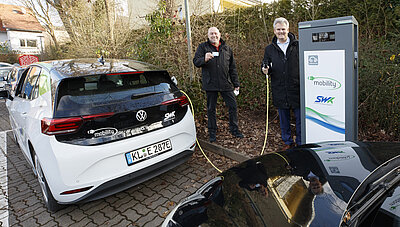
x,y
328,55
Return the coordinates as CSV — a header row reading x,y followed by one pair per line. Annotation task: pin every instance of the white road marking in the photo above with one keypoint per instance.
x,y
3,180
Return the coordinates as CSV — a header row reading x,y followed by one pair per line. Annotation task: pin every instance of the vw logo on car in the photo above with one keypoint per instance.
x,y
141,115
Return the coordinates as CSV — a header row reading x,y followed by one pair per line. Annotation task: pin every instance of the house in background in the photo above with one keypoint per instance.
x,y
21,30
137,10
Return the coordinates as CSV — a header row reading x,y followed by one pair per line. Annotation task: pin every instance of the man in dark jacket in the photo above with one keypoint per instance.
x,y
218,75
281,62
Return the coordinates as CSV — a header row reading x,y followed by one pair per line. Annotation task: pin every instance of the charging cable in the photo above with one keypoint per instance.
x,y
266,129
198,144
267,113
266,121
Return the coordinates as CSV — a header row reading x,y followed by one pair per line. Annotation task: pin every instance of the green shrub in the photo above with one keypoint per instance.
x,y
8,55
248,30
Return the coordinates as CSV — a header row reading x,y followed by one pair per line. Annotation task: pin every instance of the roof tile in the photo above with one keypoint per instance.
x,y
18,18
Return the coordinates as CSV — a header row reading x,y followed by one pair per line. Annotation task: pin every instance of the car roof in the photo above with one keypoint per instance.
x,y
339,167
5,64
92,66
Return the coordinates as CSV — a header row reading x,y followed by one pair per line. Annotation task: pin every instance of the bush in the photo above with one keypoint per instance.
x,y
248,30
379,86
8,55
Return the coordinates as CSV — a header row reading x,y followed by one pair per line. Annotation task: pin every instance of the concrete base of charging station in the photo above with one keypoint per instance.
x,y
223,151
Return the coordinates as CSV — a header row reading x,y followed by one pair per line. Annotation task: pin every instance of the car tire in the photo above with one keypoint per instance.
x,y
15,137
51,204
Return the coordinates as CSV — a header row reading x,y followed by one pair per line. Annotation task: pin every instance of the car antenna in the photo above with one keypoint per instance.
x,y
101,60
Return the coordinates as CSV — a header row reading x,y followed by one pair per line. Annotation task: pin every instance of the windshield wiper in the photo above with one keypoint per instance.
x,y
140,95
376,191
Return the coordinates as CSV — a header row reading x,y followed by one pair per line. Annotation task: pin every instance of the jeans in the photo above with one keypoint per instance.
x,y
230,102
284,118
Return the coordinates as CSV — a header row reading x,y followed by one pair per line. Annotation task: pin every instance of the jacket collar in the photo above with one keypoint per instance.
x,y
291,36
221,40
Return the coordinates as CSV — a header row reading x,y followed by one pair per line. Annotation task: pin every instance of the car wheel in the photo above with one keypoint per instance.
x,y
48,198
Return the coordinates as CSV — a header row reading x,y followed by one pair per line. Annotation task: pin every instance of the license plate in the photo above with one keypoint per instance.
x,y
148,152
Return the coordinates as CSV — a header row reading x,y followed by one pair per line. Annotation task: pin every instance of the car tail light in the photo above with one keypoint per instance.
x,y
67,125
61,126
182,101
76,190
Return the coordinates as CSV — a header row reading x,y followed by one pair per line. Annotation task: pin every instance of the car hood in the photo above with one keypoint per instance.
x,y
310,185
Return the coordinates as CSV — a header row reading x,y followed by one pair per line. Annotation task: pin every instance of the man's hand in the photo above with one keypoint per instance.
x,y
208,56
236,91
265,70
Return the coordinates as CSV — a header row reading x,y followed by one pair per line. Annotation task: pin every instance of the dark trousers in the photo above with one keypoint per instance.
x,y
230,101
284,118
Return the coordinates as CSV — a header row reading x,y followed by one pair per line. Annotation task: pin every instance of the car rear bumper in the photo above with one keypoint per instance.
x,y
134,178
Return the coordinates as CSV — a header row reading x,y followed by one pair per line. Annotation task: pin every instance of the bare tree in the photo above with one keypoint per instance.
x,y
169,8
110,12
42,11
62,7
93,25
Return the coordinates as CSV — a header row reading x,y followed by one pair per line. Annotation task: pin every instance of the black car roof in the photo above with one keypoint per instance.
x,y
276,190
92,66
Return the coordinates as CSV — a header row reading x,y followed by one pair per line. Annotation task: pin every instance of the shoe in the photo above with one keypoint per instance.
x,y
288,146
237,134
212,138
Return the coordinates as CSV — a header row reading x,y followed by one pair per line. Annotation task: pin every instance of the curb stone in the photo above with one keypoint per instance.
x,y
223,151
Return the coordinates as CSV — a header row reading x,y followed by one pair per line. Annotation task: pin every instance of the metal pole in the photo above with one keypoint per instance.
x,y
189,40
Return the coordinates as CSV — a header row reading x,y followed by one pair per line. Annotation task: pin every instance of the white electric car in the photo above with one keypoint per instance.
x,y
92,128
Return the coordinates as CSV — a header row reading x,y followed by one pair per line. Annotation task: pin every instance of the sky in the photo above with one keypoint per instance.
x,y
11,2
122,3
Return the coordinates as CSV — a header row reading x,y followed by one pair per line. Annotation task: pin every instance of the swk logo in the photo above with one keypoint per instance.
x,y
324,100
169,116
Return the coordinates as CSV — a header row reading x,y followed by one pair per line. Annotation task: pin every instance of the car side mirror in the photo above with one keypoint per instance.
x,y
174,80
7,87
5,94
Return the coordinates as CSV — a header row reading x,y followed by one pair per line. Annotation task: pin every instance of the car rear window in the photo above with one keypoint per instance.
x,y
80,95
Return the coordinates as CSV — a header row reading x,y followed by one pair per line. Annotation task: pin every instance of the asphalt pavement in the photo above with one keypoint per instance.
x,y
146,204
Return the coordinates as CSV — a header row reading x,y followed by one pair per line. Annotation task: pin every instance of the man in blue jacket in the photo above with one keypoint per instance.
x,y
281,62
219,75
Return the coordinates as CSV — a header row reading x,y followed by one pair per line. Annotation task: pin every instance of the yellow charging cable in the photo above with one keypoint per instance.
x,y
198,144
266,130
266,121
266,127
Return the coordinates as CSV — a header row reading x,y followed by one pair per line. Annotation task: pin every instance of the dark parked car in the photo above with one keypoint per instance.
x,y
324,184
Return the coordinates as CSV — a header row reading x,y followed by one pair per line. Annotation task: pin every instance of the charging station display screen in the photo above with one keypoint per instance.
x,y
323,37
324,73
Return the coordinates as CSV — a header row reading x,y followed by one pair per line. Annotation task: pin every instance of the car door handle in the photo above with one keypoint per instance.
x,y
24,113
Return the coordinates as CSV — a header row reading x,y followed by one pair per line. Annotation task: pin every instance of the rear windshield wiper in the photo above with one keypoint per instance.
x,y
376,191
140,95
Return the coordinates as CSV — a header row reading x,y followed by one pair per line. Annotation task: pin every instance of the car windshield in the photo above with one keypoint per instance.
x,y
4,72
378,198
